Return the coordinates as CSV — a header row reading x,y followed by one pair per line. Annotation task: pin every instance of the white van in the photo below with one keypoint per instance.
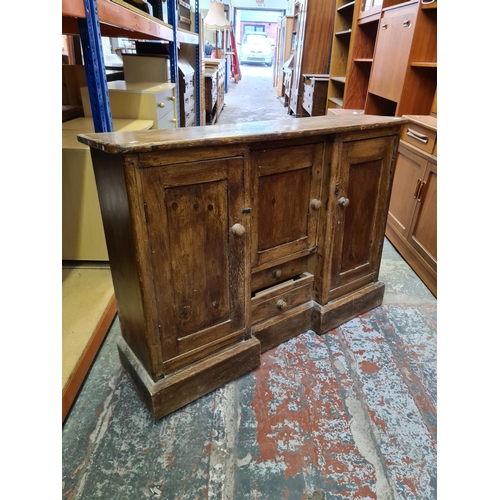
x,y
256,48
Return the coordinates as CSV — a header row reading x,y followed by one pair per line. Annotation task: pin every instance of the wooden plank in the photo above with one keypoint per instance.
x,y
78,376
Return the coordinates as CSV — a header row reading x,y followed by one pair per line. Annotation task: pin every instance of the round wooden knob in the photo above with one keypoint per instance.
x,y
316,204
276,273
174,120
172,98
161,105
343,202
238,230
281,304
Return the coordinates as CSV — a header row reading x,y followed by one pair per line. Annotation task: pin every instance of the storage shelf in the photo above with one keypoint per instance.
x,y
336,100
344,33
363,60
340,79
347,6
423,65
433,5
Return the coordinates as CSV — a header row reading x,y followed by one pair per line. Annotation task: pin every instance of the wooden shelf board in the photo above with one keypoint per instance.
x,y
346,6
131,21
429,5
423,65
336,100
343,33
184,36
363,60
73,8
340,79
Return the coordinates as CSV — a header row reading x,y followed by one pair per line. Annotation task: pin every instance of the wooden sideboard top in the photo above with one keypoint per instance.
x,y
427,121
227,134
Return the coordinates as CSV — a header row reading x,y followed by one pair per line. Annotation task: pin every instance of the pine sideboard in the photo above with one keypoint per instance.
x,y
225,241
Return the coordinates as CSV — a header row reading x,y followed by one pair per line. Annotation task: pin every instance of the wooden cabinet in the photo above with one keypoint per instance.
x,y
141,101
314,21
226,242
315,91
412,219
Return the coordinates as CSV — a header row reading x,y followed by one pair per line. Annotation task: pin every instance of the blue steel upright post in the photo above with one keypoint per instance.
x,y
95,69
174,69
201,43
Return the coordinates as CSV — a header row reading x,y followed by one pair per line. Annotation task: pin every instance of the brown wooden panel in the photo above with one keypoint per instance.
x,y
408,174
198,288
392,51
283,208
197,224
358,225
424,231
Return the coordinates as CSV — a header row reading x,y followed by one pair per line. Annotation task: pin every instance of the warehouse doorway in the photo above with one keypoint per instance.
x,y
255,32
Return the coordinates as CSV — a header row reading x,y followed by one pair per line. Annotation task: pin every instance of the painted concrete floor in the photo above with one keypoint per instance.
x,y
347,415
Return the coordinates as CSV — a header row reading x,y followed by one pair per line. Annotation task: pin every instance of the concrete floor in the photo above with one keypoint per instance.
x,y
350,414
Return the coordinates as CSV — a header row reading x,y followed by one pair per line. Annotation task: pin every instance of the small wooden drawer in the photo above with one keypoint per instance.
x,y
281,298
277,274
419,136
188,83
308,91
307,105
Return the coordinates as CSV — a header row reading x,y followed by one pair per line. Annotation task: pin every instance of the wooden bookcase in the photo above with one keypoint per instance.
x,y
393,64
403,78
343,33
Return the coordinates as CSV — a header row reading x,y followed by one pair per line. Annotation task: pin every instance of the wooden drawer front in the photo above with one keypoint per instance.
x,y
418,136
168,121
308,91
278,273
308,106
164,103
281,298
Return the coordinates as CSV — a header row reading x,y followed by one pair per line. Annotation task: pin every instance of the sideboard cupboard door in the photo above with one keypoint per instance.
x,y
408,174
197,239
359,208
285,201
423,232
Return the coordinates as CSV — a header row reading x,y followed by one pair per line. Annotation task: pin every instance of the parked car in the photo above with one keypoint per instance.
x,y
256,48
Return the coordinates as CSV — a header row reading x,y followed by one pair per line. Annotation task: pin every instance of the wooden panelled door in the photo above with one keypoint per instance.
x,y
197,243
285,217
358,209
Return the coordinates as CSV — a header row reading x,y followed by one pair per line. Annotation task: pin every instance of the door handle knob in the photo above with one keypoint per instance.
x,y
343,202
238,230
316,204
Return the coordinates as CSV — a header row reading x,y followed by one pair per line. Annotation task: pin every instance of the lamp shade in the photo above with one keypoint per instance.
x,y
216,18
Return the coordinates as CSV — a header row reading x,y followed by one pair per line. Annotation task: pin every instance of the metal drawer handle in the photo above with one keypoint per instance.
x,y
406,24
172,98
420,191
161,105
384,26
416,188
415,135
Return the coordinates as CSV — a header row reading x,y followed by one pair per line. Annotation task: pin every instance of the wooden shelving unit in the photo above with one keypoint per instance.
x,y
344,29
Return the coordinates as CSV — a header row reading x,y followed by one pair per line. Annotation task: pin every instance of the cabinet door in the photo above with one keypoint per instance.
x,y
286,193
408,175
197,244
358,213
423,233
392,51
